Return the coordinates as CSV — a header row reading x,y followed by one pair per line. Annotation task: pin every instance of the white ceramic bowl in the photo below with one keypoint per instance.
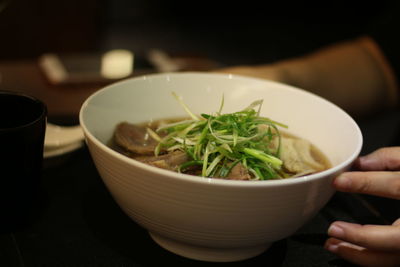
x,y
215,219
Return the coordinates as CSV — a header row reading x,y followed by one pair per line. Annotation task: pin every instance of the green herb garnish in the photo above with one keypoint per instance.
x,y
217,142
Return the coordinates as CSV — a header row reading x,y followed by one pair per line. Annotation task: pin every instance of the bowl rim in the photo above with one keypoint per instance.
x,y
217,181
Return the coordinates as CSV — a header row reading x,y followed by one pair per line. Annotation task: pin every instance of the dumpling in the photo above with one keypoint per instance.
x,y
297,158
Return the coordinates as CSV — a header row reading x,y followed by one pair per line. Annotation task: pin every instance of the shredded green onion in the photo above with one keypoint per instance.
x,y
217,142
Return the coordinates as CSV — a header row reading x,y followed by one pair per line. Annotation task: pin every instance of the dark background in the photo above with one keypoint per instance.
x,y
230,32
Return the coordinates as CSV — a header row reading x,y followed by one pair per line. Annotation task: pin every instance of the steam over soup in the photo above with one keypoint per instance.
x,y
236,146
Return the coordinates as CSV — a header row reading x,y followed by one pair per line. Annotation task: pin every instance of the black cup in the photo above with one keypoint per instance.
x,y
22,132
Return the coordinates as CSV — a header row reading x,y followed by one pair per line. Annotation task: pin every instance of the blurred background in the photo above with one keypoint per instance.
x,y
226,31
201,35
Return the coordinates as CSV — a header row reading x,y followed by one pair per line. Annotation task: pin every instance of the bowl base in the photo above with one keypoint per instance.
x,y
208,253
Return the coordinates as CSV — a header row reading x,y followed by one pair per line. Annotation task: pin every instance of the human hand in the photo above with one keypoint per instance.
x,y
369,245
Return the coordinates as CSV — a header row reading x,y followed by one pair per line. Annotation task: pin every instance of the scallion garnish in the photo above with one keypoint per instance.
x,y
217,142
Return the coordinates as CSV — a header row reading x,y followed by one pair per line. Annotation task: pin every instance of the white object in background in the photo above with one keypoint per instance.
x,y
162,61
62,139
57,136
53,67
116,64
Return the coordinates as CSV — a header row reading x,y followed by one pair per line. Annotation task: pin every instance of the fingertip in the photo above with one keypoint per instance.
x,y
342,182
357,163
336,231
332,245
365,162
332,248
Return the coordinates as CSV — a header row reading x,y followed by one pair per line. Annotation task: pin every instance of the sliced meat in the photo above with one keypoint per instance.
x,y
134,138
169,161
238,172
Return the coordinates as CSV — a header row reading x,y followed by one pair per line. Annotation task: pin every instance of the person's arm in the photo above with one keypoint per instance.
x,y
354,74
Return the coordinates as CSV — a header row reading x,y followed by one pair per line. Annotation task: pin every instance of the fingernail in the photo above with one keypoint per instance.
x,y
335,231
366,163
332,248
342,182
362,161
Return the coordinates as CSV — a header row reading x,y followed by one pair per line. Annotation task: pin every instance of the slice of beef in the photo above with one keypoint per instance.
x,y
134,138
238,172
170,161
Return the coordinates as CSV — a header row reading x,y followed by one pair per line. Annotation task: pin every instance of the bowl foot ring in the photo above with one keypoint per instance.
x,y
207,253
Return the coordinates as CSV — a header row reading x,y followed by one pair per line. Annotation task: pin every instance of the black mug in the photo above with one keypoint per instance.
x,y
22,131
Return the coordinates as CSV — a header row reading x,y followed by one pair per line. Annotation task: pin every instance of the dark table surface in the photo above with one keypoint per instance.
x,y
78,223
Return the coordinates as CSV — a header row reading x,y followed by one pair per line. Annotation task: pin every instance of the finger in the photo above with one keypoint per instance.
x,y
361,256
376,237
387,158
385,184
